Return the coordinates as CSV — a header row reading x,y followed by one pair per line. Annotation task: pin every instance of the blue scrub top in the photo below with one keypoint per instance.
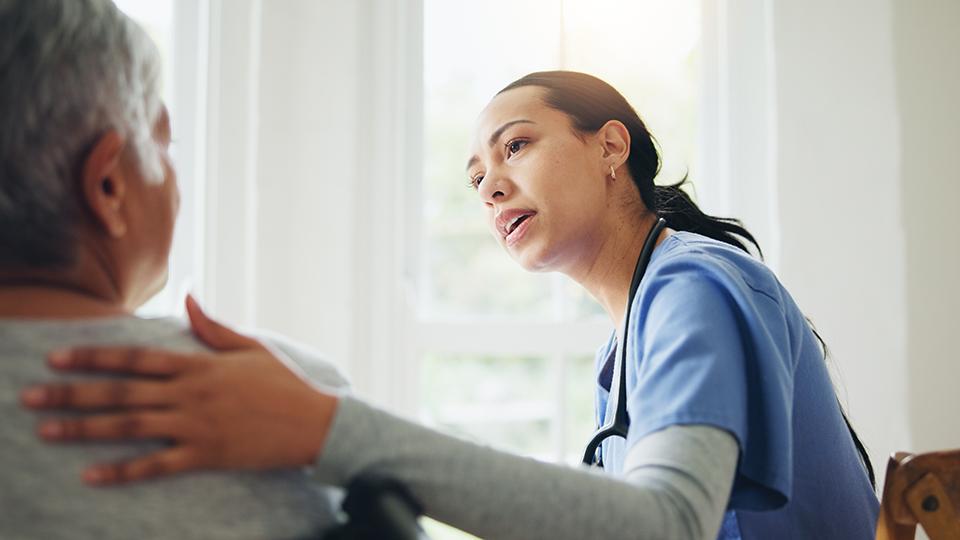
x,y
715,339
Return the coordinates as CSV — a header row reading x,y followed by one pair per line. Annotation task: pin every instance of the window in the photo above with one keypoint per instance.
x,y
507,356
504,356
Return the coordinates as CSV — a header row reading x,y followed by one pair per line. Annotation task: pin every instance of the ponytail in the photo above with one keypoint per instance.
x,y
682,214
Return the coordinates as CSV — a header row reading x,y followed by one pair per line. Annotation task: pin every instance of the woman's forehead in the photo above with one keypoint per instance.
x,y
524,103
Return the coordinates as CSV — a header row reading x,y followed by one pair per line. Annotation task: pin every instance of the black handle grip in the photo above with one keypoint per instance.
x,y
379,507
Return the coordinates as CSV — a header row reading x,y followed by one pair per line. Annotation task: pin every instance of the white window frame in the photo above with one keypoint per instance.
x,y
188,117
384,365
738,165
229,283
385,336
738,118
185,92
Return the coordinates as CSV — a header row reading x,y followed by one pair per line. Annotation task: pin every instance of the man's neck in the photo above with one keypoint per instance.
x,y
84,290
38,302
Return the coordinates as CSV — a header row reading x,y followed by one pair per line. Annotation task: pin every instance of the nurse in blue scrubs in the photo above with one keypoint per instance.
x,y
734,428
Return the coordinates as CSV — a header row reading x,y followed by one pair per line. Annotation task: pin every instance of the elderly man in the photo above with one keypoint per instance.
x,y
88,200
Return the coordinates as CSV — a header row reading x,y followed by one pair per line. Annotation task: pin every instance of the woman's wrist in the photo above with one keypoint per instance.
x,y
320,413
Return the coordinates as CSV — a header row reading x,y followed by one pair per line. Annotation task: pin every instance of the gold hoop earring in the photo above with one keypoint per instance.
x,y
613,173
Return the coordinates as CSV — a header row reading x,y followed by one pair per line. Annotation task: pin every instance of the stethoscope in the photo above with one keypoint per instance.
x,y
618,425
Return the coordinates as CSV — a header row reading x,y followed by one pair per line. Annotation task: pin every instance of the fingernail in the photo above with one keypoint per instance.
x,y
51,430
34,396
59,358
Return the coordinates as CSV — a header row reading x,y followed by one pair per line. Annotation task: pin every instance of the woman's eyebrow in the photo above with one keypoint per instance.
x,y
496,135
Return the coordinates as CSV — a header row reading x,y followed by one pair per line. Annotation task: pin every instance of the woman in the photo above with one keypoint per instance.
x,y
88,200
734,428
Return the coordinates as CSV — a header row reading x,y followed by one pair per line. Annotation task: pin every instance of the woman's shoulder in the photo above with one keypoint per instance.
x,y
685,257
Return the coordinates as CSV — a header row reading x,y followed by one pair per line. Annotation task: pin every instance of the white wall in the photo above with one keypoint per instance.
x,y
926,50
842,243
867,128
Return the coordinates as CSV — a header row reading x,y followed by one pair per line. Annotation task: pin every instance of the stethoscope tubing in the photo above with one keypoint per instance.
x,y
620,423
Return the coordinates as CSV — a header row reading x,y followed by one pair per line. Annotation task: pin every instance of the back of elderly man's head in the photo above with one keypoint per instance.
x,y
70,71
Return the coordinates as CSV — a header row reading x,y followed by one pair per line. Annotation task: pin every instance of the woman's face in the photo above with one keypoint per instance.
x,y
544,187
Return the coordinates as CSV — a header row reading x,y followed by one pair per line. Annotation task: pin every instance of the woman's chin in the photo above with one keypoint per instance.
x,y
531,260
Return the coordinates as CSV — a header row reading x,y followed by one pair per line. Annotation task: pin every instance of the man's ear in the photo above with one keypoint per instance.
x,y
615,143
103,184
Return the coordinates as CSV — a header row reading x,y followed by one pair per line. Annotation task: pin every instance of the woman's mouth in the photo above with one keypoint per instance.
x,y
512,226
517,229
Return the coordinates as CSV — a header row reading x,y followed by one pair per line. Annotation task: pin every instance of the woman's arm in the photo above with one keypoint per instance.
x,y
676,485
244,409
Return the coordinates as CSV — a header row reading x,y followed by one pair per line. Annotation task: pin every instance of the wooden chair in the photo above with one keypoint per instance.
x,y
921,489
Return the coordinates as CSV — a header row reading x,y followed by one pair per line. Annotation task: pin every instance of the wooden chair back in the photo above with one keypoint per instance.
x,y
921,489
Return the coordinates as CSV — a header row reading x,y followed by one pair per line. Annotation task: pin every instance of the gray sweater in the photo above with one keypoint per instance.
x,y
42,496
675,485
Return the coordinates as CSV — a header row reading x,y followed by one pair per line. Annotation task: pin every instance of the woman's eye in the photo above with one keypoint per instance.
x,y
475,181
515,146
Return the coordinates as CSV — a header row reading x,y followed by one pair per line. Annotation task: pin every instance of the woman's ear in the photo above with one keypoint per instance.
x,y
615,143
103,184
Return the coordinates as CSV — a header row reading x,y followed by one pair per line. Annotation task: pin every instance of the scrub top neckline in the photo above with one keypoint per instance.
x,y
605,374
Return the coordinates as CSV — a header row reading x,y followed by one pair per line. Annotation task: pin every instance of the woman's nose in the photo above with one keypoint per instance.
x,y
494,189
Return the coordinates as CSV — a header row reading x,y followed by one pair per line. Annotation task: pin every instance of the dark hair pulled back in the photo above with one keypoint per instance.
x,y
590,103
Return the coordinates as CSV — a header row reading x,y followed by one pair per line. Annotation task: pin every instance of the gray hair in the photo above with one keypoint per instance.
x,y
70,70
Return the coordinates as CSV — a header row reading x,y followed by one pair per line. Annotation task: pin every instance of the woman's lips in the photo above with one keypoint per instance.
x,y
520,232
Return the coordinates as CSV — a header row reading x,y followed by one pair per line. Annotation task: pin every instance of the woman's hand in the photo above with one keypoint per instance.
x,y
239,408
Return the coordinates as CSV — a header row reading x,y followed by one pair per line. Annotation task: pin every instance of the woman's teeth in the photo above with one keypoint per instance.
x,y
516,223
